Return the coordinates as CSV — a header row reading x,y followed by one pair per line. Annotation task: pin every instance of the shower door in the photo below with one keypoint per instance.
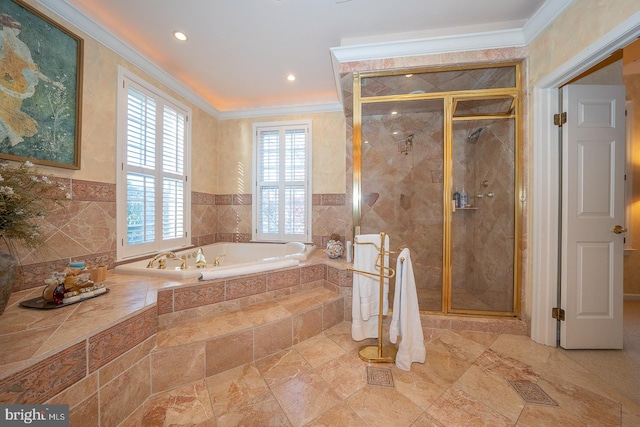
x,y
483,229
402,160
418,139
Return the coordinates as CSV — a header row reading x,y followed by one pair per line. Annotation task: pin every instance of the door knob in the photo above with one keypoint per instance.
x,y
619,229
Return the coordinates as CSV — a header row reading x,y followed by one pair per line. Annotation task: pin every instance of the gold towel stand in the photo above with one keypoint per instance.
x,y
379,353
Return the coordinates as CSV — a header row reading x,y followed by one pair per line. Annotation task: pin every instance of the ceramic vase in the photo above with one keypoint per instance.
x,y
335,249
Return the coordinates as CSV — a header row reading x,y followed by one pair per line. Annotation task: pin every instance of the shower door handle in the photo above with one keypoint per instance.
x,y
618,229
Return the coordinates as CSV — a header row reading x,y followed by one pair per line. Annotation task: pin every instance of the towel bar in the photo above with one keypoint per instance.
x,y
379,353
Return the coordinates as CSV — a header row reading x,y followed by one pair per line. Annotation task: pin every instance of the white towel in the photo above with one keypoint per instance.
x,y
405,320
365,304
246,268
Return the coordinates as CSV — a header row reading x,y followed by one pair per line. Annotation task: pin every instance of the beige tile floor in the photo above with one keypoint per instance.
x,y
464,382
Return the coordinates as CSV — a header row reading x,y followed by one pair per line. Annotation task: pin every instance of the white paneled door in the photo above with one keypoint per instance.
x,y
593,215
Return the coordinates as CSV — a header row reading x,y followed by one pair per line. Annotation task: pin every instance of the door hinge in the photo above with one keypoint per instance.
x,y
560,119
557,313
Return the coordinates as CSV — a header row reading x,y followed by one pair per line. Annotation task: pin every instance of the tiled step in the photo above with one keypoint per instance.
x,y
198,348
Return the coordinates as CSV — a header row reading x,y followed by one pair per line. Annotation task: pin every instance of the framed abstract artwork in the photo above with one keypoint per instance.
x,y
40,88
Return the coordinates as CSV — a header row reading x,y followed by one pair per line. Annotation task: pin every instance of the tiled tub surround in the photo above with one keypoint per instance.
x,y
85,228
106,356
99,356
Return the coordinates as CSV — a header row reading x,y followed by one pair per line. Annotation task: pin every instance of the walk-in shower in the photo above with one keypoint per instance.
x,y
418,139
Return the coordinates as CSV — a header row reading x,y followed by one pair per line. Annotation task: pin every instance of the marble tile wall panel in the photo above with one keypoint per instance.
x,y
228,352
245,286
332,313
85,229
214,218
342,278
283,279
77,393
272,338
195,296
204,217
46,378
312,273
177,366
111,343
120,397
87,413
233,237
121,363
307,325
165,301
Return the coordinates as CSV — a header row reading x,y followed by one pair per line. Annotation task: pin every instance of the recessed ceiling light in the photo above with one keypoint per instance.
x,y
291,77
180,36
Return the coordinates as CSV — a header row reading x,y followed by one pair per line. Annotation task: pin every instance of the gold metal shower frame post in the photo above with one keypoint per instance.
x,y
380,353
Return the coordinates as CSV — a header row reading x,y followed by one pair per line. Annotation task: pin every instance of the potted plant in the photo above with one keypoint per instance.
x,y
25,196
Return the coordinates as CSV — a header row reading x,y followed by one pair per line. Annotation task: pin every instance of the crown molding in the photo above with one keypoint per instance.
x,y
428,46
281,111
91,28
516,37
548,13
422,46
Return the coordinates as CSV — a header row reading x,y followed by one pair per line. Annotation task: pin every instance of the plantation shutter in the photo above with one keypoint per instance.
x,y
155,165
282,180
141,158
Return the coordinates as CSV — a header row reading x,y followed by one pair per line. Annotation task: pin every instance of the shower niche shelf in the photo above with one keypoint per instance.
x,y
470,208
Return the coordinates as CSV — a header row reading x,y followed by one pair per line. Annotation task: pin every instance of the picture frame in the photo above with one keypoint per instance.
x,y
41,65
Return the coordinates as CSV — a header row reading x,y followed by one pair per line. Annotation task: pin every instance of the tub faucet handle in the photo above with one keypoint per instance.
x,y
183,262
201,261
166,255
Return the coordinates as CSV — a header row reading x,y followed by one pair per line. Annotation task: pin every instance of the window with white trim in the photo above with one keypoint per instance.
x,y
282,181
153,192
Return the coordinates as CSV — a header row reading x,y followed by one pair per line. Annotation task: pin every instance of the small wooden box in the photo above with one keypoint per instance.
x,y
98,274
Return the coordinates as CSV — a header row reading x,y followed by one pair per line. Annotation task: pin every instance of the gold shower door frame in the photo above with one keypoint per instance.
x,y
451,100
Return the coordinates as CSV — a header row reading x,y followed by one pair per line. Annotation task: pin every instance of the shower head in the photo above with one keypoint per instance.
x,y
473,136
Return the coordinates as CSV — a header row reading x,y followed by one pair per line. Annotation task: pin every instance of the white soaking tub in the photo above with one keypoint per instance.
x,y
225,260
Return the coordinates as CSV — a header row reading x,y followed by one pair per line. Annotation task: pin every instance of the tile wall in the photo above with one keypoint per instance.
x,y
85,229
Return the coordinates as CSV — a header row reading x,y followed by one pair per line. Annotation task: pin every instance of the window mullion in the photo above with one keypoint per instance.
x,y
159,173
283,182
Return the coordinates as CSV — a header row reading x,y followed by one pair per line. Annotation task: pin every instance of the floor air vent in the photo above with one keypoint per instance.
x,y
379,376
532,393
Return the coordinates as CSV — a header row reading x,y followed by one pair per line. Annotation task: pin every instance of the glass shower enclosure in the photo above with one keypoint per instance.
x,y
436,167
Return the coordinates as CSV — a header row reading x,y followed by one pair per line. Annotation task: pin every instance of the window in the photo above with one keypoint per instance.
x,y
153,192
282,184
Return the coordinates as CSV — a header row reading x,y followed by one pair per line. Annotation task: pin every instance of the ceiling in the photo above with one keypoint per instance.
x,y
239,52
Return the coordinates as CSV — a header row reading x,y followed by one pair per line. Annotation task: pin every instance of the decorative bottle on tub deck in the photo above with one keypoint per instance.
x,y
335,249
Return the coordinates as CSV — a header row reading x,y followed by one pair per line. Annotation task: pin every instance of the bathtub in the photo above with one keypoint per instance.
x,y
233,259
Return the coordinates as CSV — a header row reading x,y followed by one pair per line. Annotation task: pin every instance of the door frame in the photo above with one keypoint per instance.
x,y
546,179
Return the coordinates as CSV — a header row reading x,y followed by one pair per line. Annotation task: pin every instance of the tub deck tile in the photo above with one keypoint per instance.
x,y
265,312
203,328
